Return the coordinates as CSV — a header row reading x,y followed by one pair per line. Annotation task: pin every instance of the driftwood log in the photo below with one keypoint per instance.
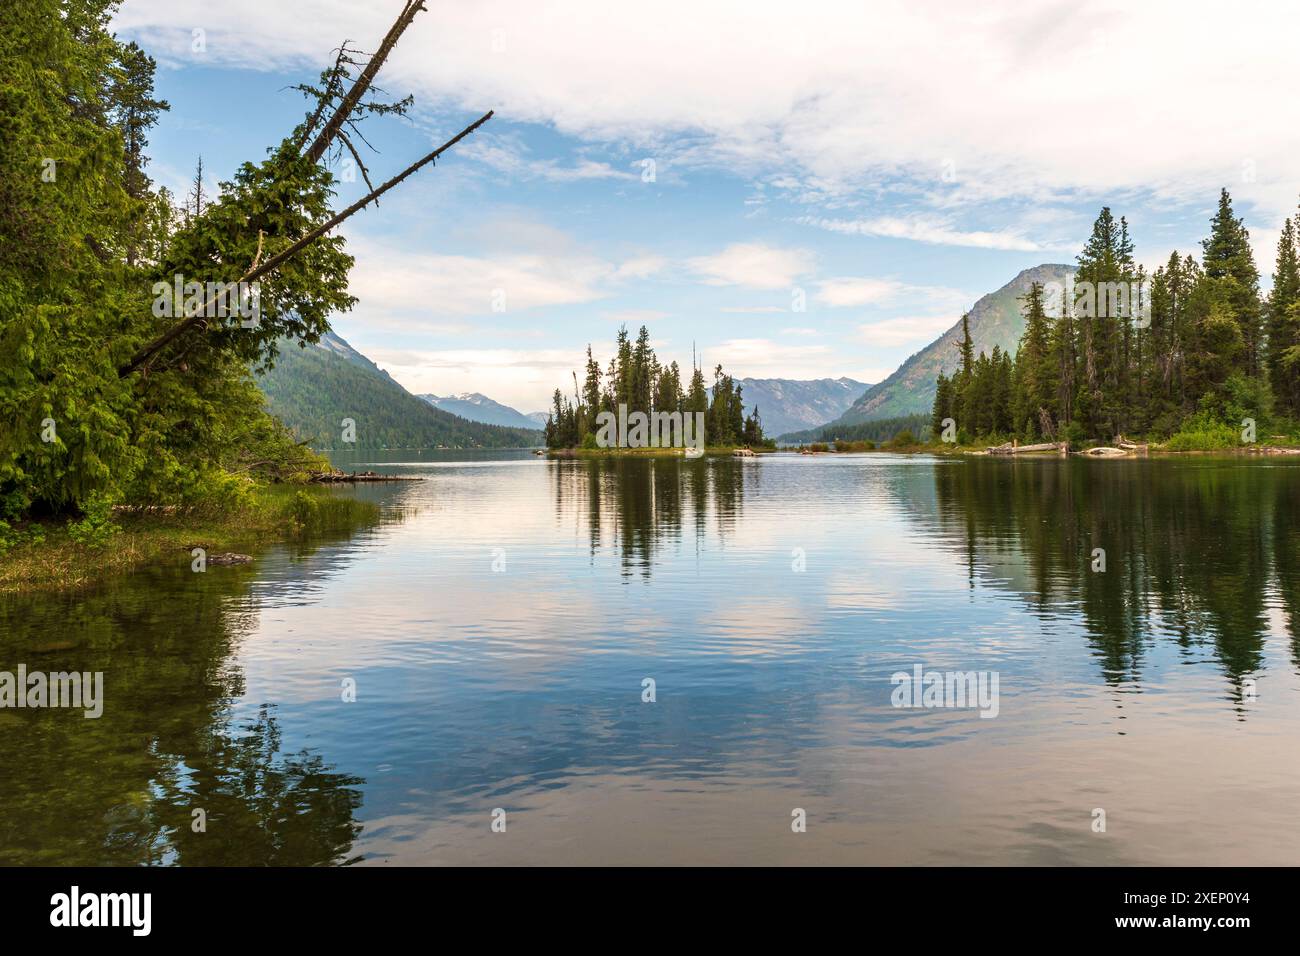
x,y
1011,448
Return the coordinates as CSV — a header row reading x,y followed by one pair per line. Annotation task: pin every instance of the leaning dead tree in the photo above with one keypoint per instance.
x,y
333,128
340,116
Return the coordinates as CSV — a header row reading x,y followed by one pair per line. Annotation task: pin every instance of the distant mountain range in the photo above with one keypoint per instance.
x,y
786,405
480,408
313,388
996,319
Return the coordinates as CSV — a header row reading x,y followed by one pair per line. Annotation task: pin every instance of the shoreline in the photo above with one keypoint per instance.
x,y
46,556
712,451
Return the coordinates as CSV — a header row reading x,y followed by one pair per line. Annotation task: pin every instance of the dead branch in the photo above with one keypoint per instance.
x,y
365,173
358,90
327,97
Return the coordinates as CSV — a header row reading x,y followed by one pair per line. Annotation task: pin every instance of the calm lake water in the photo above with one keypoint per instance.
x,y
501,621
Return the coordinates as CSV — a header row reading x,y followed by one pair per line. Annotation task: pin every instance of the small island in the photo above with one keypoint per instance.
x,y
639,407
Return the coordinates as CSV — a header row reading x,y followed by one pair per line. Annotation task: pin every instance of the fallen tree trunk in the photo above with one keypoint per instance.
x,y
1012,449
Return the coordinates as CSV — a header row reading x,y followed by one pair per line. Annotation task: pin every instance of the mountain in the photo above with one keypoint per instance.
x,y
313,388
540,417
786,405
995,319
480,408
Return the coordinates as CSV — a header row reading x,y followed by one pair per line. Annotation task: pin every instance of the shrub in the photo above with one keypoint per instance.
x,y
1204,431
96,526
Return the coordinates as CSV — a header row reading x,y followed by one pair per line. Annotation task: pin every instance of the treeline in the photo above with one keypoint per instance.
x,y
1196,350
877,430
636,381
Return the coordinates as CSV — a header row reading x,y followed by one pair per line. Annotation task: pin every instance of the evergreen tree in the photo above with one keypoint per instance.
x,y
1033,398
1282,332
591,397
643,372
1104,264
1229,262
942,406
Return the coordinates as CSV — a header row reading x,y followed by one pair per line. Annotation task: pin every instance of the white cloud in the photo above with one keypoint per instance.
x,y
764,358
506,154
753,265
641,267
905,331
926,229
1005,98
850,291
420,289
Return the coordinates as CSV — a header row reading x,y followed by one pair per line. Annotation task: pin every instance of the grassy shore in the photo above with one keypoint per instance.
x,y
1279,446
62,554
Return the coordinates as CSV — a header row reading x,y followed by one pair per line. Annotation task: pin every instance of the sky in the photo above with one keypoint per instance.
x,y
792,190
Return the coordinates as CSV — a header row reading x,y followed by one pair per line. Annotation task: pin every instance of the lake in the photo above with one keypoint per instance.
x,y
673,662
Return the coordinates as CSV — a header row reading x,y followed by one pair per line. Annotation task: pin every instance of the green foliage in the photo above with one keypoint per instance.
x,y
11,537
1203,432
96,526
1188,356
92,407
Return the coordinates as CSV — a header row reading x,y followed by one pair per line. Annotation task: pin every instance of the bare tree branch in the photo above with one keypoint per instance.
x,y
327,97
358,90
365,173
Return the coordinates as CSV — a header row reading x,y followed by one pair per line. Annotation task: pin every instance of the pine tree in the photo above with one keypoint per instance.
x,y
1033,398
134,111
942,407
961,379
1104,263
197,198
1229,262
591,397
643,370
1282,334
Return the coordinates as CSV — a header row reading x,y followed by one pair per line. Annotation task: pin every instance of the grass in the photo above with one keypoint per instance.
x,y
53,555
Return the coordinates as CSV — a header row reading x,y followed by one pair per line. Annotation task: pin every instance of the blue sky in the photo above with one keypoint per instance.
x,y
882,164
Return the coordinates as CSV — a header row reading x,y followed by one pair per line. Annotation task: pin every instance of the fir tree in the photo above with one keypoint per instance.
x,y
1282,333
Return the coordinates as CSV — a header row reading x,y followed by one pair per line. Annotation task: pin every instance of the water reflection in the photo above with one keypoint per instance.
x,y
637,505
1197,553
500,632
122,789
